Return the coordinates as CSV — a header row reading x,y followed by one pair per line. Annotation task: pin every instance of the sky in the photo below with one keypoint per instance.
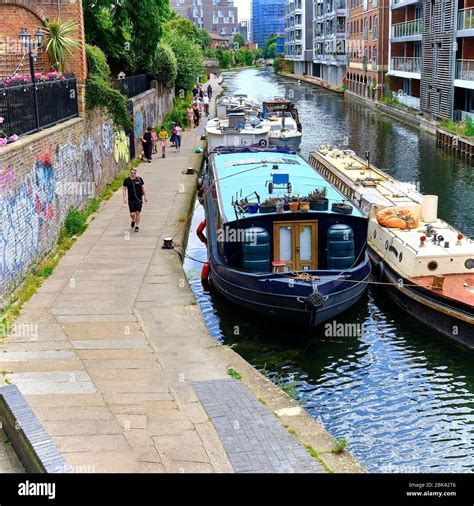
x,y
243,8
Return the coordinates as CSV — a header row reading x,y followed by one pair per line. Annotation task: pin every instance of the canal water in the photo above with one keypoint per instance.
x,y
400,394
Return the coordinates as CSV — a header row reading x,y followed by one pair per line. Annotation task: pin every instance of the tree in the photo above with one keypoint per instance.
x,y
127,34
204,39
270,46
163,65
239,39
182,26
189,58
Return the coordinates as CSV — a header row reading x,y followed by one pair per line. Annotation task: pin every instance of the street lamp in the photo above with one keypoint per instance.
x,y
32,47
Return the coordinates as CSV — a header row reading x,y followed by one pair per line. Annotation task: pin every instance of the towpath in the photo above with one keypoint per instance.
x,y
123,373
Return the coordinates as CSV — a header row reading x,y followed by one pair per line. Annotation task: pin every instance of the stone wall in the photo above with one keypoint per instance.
x,y
41,177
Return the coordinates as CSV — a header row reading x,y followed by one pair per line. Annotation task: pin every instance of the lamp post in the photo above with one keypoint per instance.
x,y
31,47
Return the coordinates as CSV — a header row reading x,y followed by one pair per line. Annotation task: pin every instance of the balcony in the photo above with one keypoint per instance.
x,y
404,64
466,21
464,72
396,4
409,29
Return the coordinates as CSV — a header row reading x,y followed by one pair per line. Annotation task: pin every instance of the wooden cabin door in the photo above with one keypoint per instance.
x,y
296,243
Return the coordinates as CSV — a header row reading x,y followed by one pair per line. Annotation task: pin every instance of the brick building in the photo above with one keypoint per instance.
x,y
368,36
29,14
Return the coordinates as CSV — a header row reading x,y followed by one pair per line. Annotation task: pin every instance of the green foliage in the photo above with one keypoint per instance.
x,y
468,126
163,65
128,31
340,445
60,43
239,39
270,46
189,57
182,27
75,222
224,57
234,374
99,91
204,39
178,114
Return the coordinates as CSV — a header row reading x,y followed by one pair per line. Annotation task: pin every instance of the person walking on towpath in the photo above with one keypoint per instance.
x,y
154,138
190,116
205,102
179,132
209,91
147,143
134,191
163,136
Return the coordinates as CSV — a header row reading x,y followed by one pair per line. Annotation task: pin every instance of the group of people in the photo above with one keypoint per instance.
x,y
151,138
133,189
199,105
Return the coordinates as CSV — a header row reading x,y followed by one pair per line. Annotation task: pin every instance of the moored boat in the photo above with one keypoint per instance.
x,y
268,250
229,104
427,263
237,130
284,120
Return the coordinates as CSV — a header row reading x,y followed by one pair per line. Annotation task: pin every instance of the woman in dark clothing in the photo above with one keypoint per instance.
x,y
147,143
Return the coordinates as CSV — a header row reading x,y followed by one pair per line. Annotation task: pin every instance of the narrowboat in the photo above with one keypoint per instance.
x,y
236,130
230,103
270,249
427,264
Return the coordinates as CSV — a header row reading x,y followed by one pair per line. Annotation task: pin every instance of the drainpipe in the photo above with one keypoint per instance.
x,y
383,46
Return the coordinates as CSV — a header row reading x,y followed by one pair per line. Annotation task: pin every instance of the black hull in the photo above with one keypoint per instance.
x,y
285,308
429,308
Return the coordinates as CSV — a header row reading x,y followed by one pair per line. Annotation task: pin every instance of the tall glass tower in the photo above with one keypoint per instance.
x,y
268,16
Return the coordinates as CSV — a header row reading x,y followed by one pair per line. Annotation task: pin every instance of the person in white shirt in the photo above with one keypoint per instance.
x,y
205,102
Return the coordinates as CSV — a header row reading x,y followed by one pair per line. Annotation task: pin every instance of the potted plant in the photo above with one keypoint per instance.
x,y
342,208
268,206
318,200
294,203
304,205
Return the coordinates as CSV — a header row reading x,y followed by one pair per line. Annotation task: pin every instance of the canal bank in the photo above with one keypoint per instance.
x,y
123,373
393,390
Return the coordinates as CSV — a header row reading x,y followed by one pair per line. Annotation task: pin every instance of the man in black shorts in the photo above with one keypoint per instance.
x,y
134,188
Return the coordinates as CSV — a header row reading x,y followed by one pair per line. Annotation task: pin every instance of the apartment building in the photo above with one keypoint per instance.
x,y
330,40
267,19
299,35
367,32
217,16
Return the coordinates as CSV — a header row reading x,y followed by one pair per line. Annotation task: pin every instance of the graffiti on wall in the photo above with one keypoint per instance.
x,y
34,202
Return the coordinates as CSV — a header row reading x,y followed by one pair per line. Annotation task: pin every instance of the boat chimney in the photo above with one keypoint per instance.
x,y
429,211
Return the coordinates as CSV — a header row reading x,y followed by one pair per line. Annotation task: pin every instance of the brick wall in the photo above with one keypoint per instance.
x,y
41,177
18,14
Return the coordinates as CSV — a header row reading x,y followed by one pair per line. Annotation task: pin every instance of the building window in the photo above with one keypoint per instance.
x,y
374,27
374,3
432,11
374,57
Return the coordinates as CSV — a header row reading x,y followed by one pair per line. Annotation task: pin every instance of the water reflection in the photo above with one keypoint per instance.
x,y
402,395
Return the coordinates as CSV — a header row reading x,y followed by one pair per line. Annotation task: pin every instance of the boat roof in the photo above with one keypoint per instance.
x,y
241,172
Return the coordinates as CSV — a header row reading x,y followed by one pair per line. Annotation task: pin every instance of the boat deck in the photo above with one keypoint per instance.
x,y
458,287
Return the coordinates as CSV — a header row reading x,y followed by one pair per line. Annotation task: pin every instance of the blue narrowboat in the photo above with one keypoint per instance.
x,y
273,250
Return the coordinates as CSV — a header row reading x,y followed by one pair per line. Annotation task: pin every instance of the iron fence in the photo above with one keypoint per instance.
x,y
56,100
133,85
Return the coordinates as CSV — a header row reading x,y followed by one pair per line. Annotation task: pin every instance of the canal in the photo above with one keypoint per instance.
x,y
400,394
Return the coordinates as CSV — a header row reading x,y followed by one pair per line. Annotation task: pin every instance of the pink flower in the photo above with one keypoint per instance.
x,y
1,120
3,142
13,138
63,78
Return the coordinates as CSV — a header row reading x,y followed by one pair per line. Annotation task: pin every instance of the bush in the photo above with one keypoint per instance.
x,y
99,90
75,222
178,114
468,126
163,65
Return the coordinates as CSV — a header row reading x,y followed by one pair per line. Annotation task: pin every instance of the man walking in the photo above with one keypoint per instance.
x,y
209,91
134,191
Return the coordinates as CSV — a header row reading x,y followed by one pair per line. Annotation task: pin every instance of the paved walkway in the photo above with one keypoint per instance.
x,y
120,341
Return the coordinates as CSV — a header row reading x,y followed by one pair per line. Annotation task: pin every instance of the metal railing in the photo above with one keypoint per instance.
x,y
133,85
56,101
466,19
405,64
465,70
407,29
